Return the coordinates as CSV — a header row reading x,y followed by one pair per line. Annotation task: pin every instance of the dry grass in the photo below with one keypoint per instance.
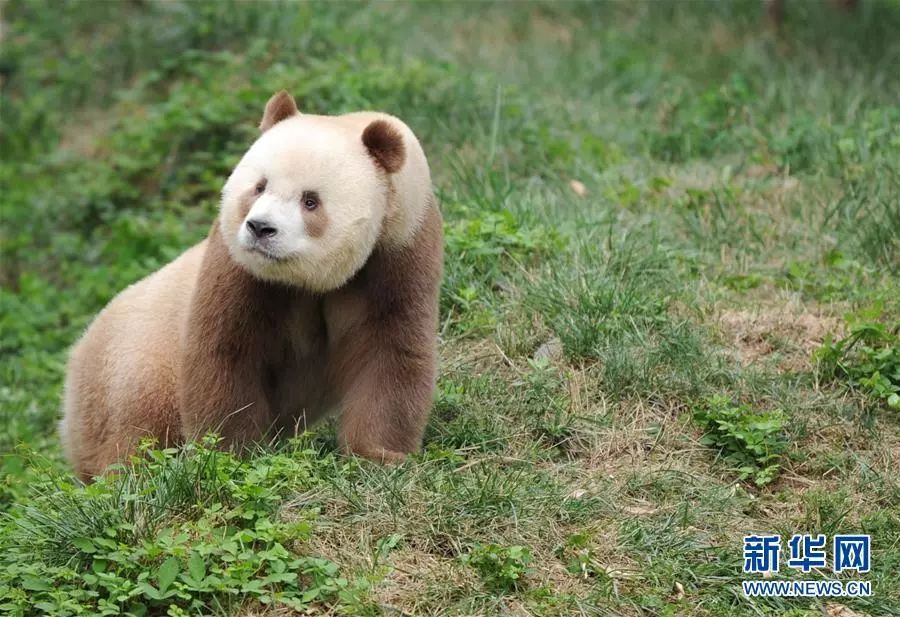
x,y
788,331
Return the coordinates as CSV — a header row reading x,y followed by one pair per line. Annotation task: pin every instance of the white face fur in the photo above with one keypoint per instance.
x,y
305,204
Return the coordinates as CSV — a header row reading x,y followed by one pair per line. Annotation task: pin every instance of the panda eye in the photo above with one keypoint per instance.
x,y
310,200
260,187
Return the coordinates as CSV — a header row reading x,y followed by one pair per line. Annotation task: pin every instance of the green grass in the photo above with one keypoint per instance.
x,y
697,341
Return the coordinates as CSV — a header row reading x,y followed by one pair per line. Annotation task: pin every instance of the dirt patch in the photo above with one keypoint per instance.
x,y
839,610
788,333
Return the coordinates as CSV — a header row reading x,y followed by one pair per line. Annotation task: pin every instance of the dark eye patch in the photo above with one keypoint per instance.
x,y
310,200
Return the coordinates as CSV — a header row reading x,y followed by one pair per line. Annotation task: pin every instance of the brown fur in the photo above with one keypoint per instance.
x,y
280,107
384,358
121,385
385,145
203,345
375,339
257,358
316,221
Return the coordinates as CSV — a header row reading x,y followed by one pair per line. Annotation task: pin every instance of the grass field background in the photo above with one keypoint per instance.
x,y
669,315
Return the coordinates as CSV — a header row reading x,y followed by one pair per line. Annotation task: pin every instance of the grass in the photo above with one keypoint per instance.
x,y
668,319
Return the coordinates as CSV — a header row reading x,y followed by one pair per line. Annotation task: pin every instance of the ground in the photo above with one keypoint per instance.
x,y
669,313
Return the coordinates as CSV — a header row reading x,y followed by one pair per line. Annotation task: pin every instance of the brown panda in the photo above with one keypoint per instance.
x,y
315,292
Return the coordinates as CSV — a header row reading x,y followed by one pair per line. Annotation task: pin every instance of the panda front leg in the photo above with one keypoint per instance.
x,y
227,335
388,387
225,398
384,362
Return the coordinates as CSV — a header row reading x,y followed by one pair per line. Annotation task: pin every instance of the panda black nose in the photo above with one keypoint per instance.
x,y
261,229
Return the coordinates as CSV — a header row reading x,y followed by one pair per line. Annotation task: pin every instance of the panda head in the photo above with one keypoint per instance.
x,y
306,204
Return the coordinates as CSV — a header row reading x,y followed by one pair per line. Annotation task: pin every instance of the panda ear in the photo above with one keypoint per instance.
x,y
280,107
385,144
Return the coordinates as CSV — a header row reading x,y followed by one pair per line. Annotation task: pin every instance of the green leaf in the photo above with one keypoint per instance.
x,y
254,586
34,583
167,572
149,590
85,545
197,566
